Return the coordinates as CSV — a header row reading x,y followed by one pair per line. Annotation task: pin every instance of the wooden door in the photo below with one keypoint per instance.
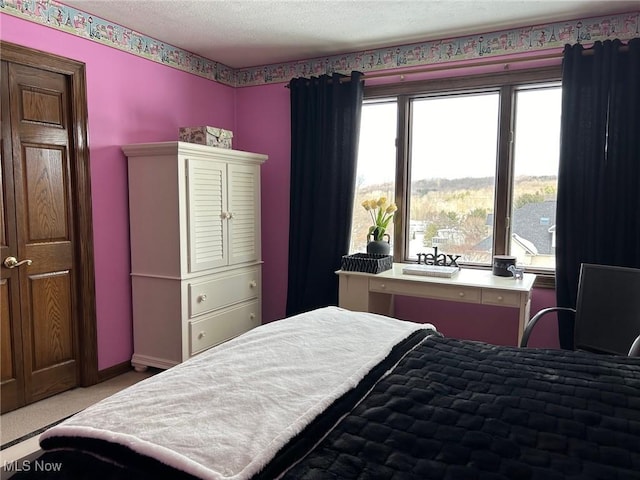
x,y
41,304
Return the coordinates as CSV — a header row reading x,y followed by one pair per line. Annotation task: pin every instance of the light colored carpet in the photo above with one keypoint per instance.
x,y
21,422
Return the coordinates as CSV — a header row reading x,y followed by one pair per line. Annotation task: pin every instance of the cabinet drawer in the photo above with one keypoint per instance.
x,y
222,326
223,291
500,297
426,289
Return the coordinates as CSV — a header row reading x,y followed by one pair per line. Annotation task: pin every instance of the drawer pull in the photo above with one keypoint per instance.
x,y
202,298
461,294
252,316
201,335
382,285
253,284
499,298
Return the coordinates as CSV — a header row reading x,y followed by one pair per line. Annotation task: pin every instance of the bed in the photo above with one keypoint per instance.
x,y
333,394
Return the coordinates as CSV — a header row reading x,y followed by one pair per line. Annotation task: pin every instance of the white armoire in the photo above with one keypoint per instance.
x,y
196,266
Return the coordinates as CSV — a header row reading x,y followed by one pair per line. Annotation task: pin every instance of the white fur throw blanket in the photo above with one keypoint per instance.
x,y
225,413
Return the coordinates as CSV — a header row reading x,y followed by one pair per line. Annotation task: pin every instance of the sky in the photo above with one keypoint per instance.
x,y
451,138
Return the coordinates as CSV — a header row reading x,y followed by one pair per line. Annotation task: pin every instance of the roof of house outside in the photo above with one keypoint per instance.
x,y
533,224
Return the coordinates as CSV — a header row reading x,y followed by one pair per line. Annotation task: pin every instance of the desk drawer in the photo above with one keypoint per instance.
x,y
500,297
222,291
426,290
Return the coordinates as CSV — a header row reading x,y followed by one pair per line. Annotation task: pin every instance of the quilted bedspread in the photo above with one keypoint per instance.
x,y
464,410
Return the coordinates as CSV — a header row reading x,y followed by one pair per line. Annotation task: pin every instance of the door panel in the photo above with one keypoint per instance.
x,y
7,367
42,106
51,328
206,214
45,182
244,226
11,377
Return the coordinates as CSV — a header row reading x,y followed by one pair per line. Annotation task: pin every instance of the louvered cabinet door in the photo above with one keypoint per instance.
x,y
244,213
207,213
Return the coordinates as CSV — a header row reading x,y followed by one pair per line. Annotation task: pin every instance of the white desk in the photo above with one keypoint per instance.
x,y
374,293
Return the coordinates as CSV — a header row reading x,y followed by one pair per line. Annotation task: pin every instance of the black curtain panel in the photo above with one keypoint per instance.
x,y
598,209
325,124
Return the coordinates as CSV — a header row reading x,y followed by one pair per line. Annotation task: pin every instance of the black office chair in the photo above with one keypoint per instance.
x,y
607,313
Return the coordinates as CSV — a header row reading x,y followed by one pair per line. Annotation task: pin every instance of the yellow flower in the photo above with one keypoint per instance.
x,y
381,215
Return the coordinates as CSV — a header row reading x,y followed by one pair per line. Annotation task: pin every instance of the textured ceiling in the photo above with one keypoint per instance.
x,y
244,33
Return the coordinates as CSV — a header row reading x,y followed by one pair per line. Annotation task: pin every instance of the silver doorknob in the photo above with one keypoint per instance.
x,y
12,262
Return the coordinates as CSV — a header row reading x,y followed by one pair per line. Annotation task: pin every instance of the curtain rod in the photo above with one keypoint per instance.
x,y
340,80
439,67
487,63
591,51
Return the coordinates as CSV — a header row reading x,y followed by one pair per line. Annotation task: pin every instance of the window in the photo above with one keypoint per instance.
x,y
375,174
471,162
535,183
453,165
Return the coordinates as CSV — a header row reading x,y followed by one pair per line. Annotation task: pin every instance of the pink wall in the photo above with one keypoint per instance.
x,y
135,100
264,127
130,100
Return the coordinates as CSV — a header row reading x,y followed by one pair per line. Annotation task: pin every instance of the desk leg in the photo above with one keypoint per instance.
x,y
354,293
523,314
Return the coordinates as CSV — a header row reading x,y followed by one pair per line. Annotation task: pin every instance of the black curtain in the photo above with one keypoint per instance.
x,y
325,124
598,209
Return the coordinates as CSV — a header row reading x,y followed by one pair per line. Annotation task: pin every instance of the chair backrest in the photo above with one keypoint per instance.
x,y
607,309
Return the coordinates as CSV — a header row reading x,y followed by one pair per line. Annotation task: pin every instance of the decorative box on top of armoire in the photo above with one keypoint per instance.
x,y
196,266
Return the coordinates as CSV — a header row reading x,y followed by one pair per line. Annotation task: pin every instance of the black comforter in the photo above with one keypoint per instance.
x,y
464,410
454,409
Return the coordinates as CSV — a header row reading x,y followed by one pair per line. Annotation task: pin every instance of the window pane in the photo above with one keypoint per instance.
x,y
453,164
375,175
536,155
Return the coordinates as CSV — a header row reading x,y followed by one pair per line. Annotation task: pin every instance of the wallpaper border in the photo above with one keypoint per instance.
x,y
522,40
495,44
58,16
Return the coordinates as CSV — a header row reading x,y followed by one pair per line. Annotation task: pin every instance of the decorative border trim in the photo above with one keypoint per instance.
x,y
53,14
505,42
